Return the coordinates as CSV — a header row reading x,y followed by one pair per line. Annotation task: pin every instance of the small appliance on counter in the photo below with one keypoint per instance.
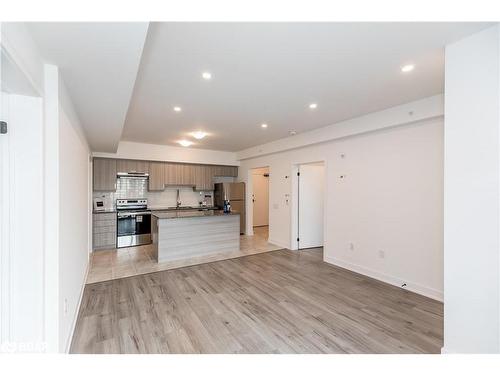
x,y
134,222
99,204
203,199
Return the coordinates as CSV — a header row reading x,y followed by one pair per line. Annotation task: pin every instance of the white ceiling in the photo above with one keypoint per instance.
x,y
98,63
271,72
262,72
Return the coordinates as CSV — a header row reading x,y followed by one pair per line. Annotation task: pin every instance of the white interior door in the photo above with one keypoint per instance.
x,y
260,200
311,193
22,252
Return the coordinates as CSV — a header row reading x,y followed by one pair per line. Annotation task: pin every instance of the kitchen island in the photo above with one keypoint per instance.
x,y
186,234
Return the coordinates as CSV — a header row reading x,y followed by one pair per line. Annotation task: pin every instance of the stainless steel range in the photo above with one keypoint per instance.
x,y
134,222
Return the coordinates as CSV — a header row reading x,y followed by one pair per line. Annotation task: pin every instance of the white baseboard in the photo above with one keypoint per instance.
x,y
277,243
414,287
77,310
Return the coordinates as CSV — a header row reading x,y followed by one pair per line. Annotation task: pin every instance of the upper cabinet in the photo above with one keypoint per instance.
x,y
177,174
104,174
225,171
132,166
156,176
161,174
188,174
204,177
173,175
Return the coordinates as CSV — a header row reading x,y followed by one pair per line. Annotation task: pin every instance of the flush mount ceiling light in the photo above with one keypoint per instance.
x,y
177,109
185,143
264,126
199,134
207,75
313,106
292,132
407,68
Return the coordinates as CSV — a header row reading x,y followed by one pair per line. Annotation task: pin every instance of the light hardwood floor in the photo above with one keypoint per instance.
x,y
137,260
276,302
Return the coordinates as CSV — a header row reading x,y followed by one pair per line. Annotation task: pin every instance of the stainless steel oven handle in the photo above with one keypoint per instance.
x,y
132,214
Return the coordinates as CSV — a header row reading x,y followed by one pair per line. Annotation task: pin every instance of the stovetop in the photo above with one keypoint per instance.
x,y
131,204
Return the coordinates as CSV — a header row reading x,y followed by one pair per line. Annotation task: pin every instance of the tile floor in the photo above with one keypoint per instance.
x,y
130,261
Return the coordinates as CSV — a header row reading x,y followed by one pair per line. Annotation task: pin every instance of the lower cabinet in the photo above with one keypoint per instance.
x,y
104,231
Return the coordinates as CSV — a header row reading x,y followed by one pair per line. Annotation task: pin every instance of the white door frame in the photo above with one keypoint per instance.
x,y
294,201
249,203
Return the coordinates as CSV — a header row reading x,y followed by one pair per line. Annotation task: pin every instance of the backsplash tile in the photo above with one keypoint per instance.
x,y
138,188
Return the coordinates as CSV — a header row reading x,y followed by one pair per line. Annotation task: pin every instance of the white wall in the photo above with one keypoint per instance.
x,y
145,151
19,44
411,112
472,186
53,158
391,200
74,211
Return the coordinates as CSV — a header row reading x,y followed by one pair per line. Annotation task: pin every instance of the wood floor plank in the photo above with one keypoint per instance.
x,y
276,302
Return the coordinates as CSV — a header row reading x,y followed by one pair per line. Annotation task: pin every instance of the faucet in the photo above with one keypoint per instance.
x,y
178,198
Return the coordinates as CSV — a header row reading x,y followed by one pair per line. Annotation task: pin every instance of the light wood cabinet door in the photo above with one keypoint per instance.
x,y
209,177
218,170
177,174
104,174
156,176
234,172
104,231
172,174
204,178
132,166
188,174
225,171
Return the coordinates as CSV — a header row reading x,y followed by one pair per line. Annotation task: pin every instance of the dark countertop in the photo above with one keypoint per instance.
x,y
179,214
163,209
193,208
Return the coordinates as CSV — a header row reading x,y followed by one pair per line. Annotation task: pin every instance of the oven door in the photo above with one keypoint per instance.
x,y
134,228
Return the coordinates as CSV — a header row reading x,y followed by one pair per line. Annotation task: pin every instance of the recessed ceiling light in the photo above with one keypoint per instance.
x,y
407,68
207,75
263,126
199,134
177,109
313,106
292,132
185,143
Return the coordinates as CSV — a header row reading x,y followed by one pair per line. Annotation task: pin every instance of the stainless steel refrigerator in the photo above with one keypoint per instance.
x,y
234,192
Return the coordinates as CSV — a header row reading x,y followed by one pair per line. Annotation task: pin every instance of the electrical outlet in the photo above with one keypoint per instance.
x,y
65,306
381,254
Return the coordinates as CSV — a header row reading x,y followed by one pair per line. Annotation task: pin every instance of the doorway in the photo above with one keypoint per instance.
x,y
311,185
260,201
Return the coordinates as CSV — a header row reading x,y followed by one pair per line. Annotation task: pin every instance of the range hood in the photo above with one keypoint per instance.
x,y
135,175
